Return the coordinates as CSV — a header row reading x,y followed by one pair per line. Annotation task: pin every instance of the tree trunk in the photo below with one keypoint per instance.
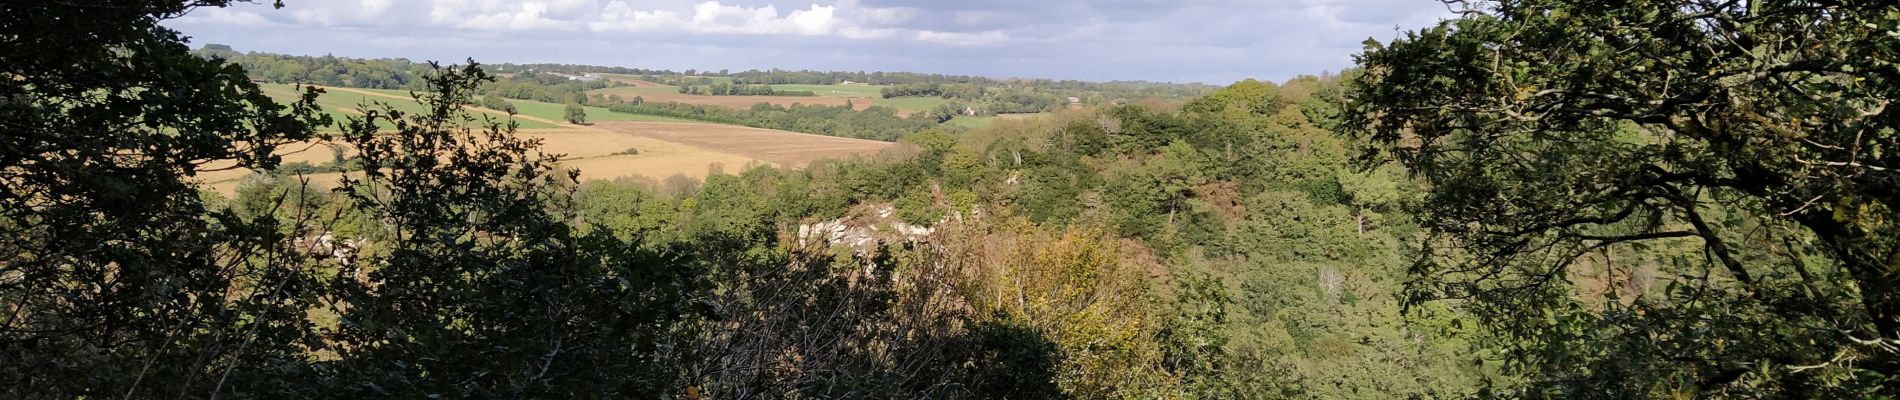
x,y
1359,217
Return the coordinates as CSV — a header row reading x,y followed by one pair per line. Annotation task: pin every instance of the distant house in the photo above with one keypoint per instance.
x,y
1074,100
585,78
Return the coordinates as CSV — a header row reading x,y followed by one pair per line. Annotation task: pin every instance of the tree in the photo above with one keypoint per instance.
x,y
493,102
117,280
480,287
1742,150
575,114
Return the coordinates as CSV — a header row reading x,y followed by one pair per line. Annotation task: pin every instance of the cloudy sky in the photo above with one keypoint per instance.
x,y
1211,41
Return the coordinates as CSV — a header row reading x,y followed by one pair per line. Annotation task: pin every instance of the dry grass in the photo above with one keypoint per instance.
x,y
778,147
594,153
664,150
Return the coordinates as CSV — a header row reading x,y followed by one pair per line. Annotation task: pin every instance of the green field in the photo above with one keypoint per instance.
x,y
558,111
555,112
837,90
332,104
630,91
336,103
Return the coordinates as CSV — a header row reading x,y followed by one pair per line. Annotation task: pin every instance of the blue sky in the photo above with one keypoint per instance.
x,y
1212,41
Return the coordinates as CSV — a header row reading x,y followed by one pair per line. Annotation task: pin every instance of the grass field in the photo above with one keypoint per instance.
x,y
340,103
790,149
866,91
557,112
912,104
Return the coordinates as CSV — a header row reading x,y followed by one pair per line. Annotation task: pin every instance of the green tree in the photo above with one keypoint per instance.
x,y
479,287
1744,151
493,102
575,114
117,280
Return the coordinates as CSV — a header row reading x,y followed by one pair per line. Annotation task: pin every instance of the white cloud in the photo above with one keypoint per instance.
x,y
846,19
834,18
962,38
531,16
373,7
225,17
620,17
714,17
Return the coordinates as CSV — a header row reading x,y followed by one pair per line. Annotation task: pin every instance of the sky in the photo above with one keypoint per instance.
x,y
1208,41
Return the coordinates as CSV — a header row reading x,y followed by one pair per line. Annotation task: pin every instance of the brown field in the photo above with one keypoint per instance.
x,y
668,94
592,152
790,149
665,149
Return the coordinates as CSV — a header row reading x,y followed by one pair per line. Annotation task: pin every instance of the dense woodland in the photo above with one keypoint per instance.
x,y
1695,201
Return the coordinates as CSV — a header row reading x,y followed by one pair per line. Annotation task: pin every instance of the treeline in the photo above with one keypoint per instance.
x,y
1097,92
393,73
874,123
389,73
540,82
402,74
978,100
784,77
544,87
722,89
573,69
494,102
951,91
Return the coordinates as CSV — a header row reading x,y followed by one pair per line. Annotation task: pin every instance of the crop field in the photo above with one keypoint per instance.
x,y
790,149
661,147
599,153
